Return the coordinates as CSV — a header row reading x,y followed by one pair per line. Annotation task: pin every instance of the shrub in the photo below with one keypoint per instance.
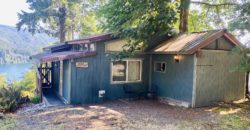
x,y
2,80
10,99
35,99
27,86
28,83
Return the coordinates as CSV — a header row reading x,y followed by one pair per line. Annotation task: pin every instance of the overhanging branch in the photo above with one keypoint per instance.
x,y
213,5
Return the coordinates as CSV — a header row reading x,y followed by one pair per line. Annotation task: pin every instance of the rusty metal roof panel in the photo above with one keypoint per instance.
x,y
184,42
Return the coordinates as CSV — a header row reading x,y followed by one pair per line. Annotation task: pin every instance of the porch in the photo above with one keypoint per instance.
x,y
45,85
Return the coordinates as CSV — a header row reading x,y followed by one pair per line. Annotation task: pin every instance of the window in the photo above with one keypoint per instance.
x,y
160,67
84,47
126,71
92,47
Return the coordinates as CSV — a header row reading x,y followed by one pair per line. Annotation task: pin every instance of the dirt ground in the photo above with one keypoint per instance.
x,y
141,114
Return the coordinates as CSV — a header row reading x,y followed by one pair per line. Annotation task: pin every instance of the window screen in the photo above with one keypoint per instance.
x,y
134,68
126,71
92,47
119,71
160,66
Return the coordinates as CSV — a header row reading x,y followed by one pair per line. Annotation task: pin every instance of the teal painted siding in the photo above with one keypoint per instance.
x,y
86,82
66,80
55,76
177,81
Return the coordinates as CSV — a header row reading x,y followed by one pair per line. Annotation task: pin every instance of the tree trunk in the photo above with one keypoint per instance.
x,y
62,18
184,12
247,81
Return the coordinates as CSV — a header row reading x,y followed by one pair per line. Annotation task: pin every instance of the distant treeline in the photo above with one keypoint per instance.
x,y
11,56
18,46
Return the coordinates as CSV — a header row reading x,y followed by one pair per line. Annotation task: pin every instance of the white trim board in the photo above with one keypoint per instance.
x,y
194,81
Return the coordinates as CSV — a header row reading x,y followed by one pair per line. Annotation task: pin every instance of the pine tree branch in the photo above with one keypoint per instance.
x,y
213,5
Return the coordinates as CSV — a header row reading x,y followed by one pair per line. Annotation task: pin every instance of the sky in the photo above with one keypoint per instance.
x,y
9,10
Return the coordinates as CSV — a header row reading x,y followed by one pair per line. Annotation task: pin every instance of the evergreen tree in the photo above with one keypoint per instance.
x,y
60,18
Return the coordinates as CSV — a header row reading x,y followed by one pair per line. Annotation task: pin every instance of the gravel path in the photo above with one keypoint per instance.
x,y
141,114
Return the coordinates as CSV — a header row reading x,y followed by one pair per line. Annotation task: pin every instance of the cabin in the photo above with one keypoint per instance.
x,y
191,70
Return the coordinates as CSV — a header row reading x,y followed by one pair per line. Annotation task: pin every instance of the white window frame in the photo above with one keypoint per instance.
x,y
161,62
122,82
94,45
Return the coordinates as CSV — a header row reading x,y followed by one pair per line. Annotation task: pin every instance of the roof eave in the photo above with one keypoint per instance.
x,y
100,38
206,42
59,58
169,52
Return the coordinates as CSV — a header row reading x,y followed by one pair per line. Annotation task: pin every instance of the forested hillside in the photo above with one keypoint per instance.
x,y
16,47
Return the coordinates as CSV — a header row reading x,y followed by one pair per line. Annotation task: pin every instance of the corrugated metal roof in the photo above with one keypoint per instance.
x,y
58,56
183,43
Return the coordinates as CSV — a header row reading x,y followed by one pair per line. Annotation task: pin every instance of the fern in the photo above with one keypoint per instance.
x,y
9,99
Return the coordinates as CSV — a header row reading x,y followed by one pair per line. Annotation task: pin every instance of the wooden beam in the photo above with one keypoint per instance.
x,y
232,39
207,41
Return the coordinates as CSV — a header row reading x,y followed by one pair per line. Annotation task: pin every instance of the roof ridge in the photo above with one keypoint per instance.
x,y
209,31
89,37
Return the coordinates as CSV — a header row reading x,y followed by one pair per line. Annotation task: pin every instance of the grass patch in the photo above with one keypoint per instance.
x,y
228,116
7,123
235,121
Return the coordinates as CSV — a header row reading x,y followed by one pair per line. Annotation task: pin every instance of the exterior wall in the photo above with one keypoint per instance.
x,y
115,45
219,44
55,76
86,82
177,82
66,80
216,79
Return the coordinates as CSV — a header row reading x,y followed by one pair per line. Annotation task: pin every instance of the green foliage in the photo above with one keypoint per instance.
x,y
90,25
197,21
2,80
10,99
27,86
139,21
57,17
12,42
41,11
244,53
241,20
12,95
7,123
28,83
35,99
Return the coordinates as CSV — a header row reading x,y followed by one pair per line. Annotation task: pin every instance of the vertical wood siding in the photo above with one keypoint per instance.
x,y
177,81
216,79
66,80
55,76
86,82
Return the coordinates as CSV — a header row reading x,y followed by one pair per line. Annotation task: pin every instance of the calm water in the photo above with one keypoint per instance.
x,y
15,71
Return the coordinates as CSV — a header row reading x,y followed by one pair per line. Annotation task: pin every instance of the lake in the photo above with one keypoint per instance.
x,y
15,71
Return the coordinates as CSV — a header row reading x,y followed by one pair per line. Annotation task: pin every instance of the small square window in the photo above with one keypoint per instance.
x,y
160,67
